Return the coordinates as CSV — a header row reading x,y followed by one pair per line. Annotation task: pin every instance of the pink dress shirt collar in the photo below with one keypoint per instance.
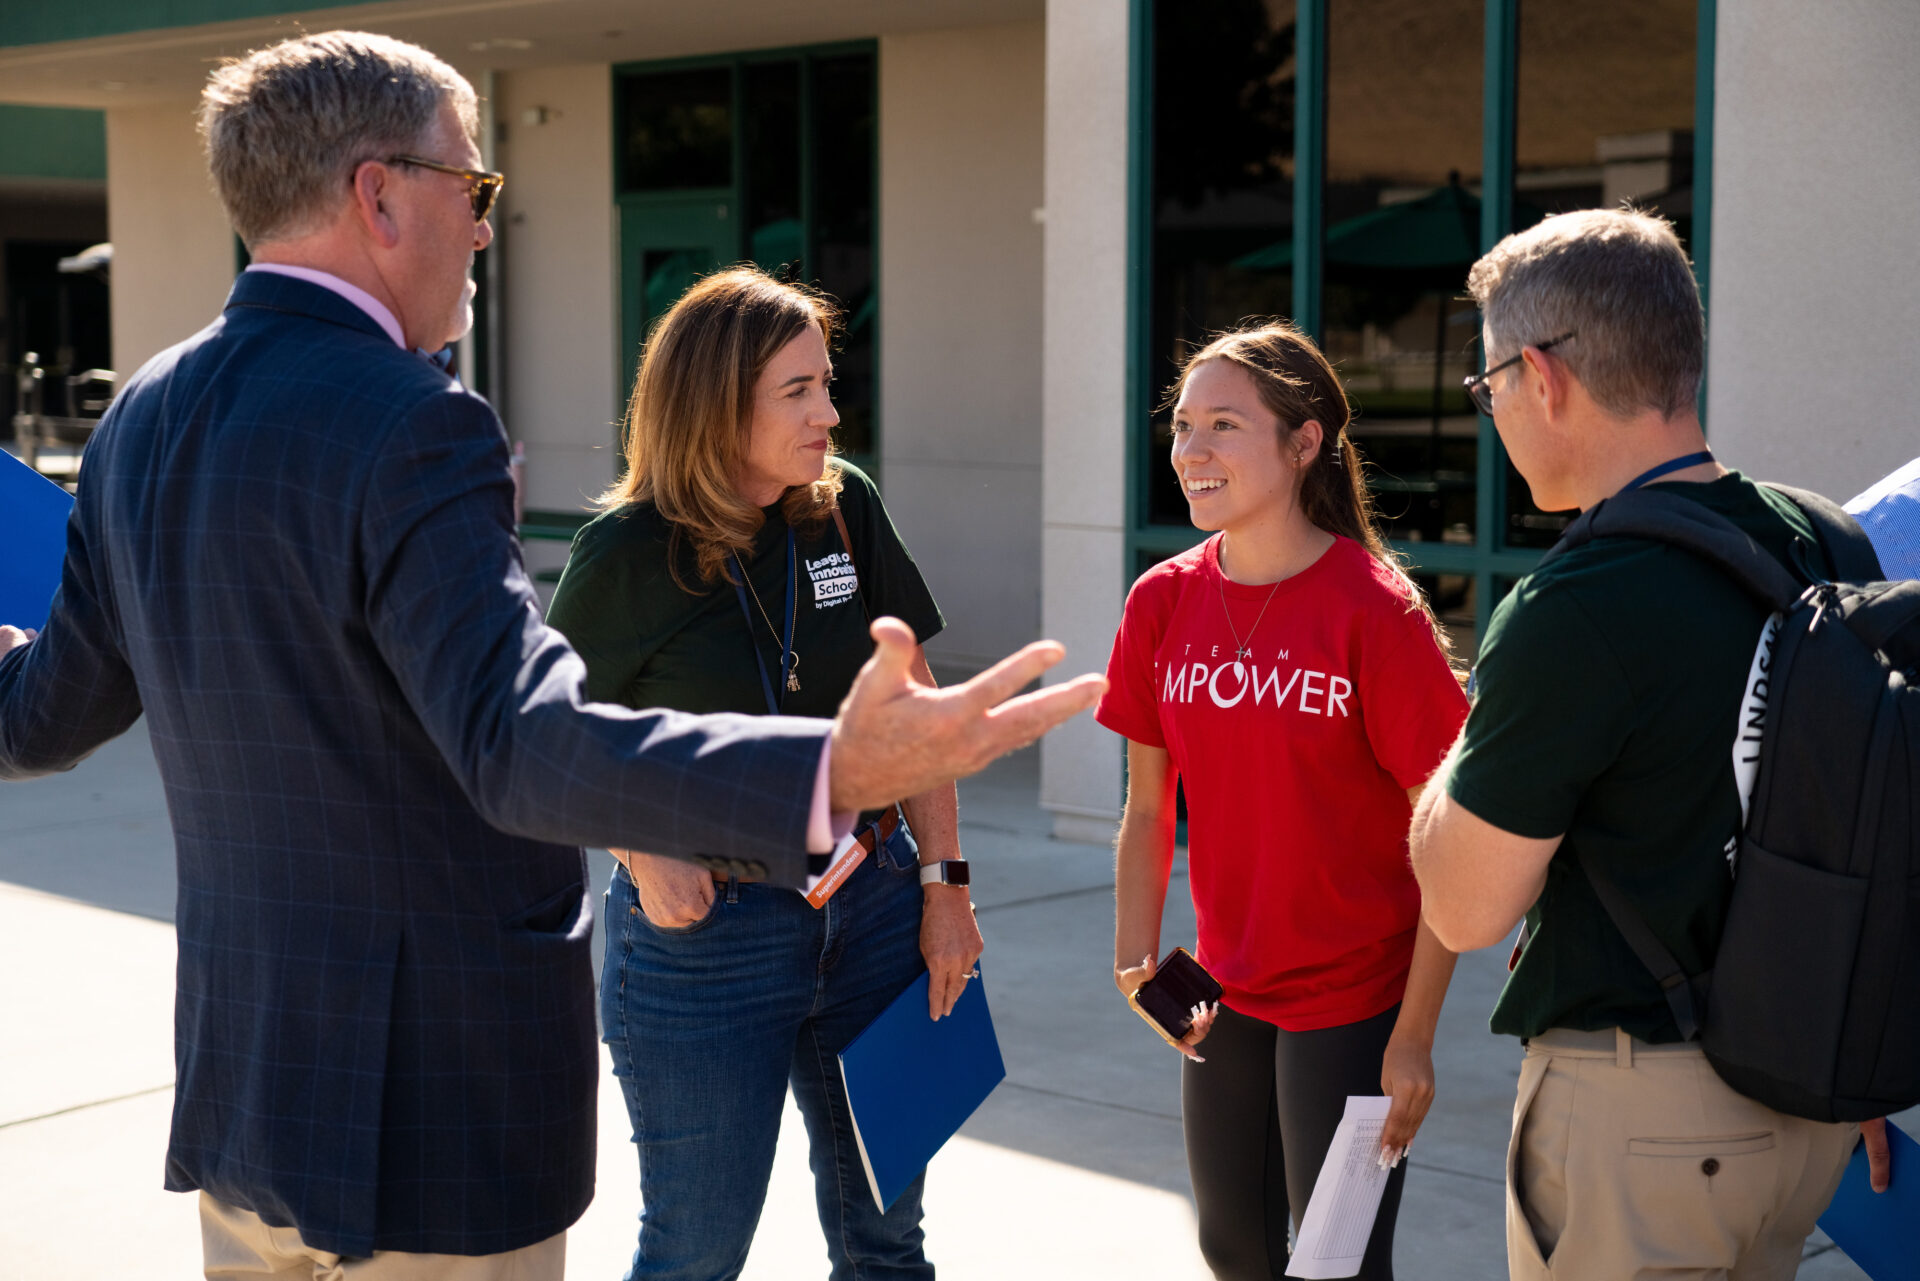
x,y
352,293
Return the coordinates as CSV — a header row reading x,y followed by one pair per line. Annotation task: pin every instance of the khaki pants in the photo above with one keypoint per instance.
x,y
1631,1160
238,1245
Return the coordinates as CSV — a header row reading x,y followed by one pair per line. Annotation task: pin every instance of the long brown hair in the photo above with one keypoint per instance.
x,y
1298,384
688,422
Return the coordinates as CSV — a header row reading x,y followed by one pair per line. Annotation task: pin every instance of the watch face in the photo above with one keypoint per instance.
x,y
954,872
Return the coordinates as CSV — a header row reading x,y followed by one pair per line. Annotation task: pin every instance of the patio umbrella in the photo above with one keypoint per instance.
x,y
1438,233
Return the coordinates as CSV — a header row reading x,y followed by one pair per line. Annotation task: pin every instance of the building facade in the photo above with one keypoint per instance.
x,y
1030,208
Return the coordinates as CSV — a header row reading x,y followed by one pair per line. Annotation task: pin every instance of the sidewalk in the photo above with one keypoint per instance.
x,y
1074,1168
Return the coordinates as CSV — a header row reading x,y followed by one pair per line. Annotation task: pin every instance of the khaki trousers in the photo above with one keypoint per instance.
x,y
238,1245
1631,1160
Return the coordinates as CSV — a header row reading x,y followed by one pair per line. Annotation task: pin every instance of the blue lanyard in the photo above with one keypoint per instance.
x,y
1667,468
753,636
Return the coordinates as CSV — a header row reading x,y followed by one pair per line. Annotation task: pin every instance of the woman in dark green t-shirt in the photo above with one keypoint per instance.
x,y
736,568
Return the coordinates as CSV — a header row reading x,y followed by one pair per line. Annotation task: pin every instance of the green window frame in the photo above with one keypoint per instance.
x,y
1488,560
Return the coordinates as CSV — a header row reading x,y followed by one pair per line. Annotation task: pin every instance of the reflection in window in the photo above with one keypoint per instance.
x,y
1222,189
845,108
1604,115
770,92
676,130
1402,228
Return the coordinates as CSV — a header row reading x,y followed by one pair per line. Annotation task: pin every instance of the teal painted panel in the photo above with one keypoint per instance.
x,y
52,142
40,23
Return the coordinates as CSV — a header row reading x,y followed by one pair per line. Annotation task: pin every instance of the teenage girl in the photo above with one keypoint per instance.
x,y
1291,676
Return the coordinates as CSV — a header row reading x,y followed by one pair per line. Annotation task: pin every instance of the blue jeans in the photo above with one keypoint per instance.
x,y
709,1023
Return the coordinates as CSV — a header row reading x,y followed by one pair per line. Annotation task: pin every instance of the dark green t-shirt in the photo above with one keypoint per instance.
x,y
648,642
1607,702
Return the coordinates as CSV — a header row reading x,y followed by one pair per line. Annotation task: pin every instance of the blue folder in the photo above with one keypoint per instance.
x,y
912,1083
33,542
1880,1231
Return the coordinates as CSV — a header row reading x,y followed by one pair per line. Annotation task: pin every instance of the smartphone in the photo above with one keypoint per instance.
x,y
1167,999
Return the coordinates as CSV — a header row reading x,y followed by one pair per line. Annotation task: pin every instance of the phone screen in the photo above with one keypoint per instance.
x,y
1179,983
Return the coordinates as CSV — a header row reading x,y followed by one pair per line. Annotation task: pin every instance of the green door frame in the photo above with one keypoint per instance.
x,y
1488,560
730,195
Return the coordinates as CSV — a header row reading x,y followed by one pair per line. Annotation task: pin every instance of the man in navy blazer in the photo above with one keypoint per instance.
x,y
293,549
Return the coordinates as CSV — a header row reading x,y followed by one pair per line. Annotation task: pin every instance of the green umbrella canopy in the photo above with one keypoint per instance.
x,y
1438,232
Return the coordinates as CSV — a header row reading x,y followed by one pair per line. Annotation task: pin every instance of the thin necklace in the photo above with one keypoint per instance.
x,y
1243,650
793,655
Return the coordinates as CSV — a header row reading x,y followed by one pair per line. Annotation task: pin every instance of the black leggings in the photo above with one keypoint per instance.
x,y
1259,1115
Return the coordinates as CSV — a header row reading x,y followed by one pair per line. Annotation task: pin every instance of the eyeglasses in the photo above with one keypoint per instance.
x,y
1476,384
483,186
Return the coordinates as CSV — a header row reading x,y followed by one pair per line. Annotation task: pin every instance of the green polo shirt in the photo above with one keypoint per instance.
x,y
648,642
1606,707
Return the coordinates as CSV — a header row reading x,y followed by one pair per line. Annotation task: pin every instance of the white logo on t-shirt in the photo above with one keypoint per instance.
x,y
834,580
1227,684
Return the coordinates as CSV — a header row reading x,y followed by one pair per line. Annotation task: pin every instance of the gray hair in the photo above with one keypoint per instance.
x,y
1620,282
286,126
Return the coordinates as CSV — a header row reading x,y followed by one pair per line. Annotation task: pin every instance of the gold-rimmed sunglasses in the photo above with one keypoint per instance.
x,y
483,185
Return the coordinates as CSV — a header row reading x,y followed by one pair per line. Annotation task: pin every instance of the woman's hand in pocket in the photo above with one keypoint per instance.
x,y
673,893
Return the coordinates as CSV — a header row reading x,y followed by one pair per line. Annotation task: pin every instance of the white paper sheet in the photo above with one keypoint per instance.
x,y
1346,1196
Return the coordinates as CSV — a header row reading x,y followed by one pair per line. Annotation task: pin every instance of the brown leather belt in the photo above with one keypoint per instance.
x,y
868,840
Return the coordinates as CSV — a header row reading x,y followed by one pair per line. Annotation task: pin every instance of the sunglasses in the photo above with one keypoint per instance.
x,y
483,186
1476,384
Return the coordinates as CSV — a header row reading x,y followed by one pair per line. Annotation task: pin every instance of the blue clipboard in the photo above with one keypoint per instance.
x,y
33,542
912,1083
1880,1231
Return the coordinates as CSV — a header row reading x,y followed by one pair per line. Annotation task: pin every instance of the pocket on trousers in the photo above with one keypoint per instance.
x,y
681,931
1525,1258
1709,1146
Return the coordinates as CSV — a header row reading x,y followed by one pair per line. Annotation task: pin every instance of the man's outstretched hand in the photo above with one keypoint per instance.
x,y
895,737
14,637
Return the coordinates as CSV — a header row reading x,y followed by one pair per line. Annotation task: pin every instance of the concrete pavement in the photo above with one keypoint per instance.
x,y
1074,1168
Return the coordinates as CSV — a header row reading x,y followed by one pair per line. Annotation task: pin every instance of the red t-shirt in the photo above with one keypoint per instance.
x,y
1296,766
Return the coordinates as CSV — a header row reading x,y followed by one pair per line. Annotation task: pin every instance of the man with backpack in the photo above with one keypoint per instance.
x,y
1601,785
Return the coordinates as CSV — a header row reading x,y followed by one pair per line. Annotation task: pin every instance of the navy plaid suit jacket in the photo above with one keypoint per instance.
x,y
293,547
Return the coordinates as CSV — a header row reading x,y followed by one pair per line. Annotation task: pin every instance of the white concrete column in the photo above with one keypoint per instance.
x,y
173,251
961,174
1084,390
1815,284
560,292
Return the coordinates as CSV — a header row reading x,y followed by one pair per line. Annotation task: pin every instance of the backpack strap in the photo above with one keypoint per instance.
x,y
1683,523
846,540
1686,996
1848,548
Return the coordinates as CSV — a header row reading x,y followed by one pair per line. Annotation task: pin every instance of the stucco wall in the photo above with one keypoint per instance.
x,y
1815,283
173,252
960,181
560,279
1084,394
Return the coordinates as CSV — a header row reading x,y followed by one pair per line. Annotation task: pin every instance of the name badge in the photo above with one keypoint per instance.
x,y
846,856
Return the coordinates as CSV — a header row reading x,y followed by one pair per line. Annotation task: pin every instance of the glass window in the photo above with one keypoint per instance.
x,y
1402,226
1603,114
676,130
776,236
802,196
842,261
1222,191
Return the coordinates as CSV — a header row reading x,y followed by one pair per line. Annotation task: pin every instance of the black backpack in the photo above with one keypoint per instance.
x,y
1813,1002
